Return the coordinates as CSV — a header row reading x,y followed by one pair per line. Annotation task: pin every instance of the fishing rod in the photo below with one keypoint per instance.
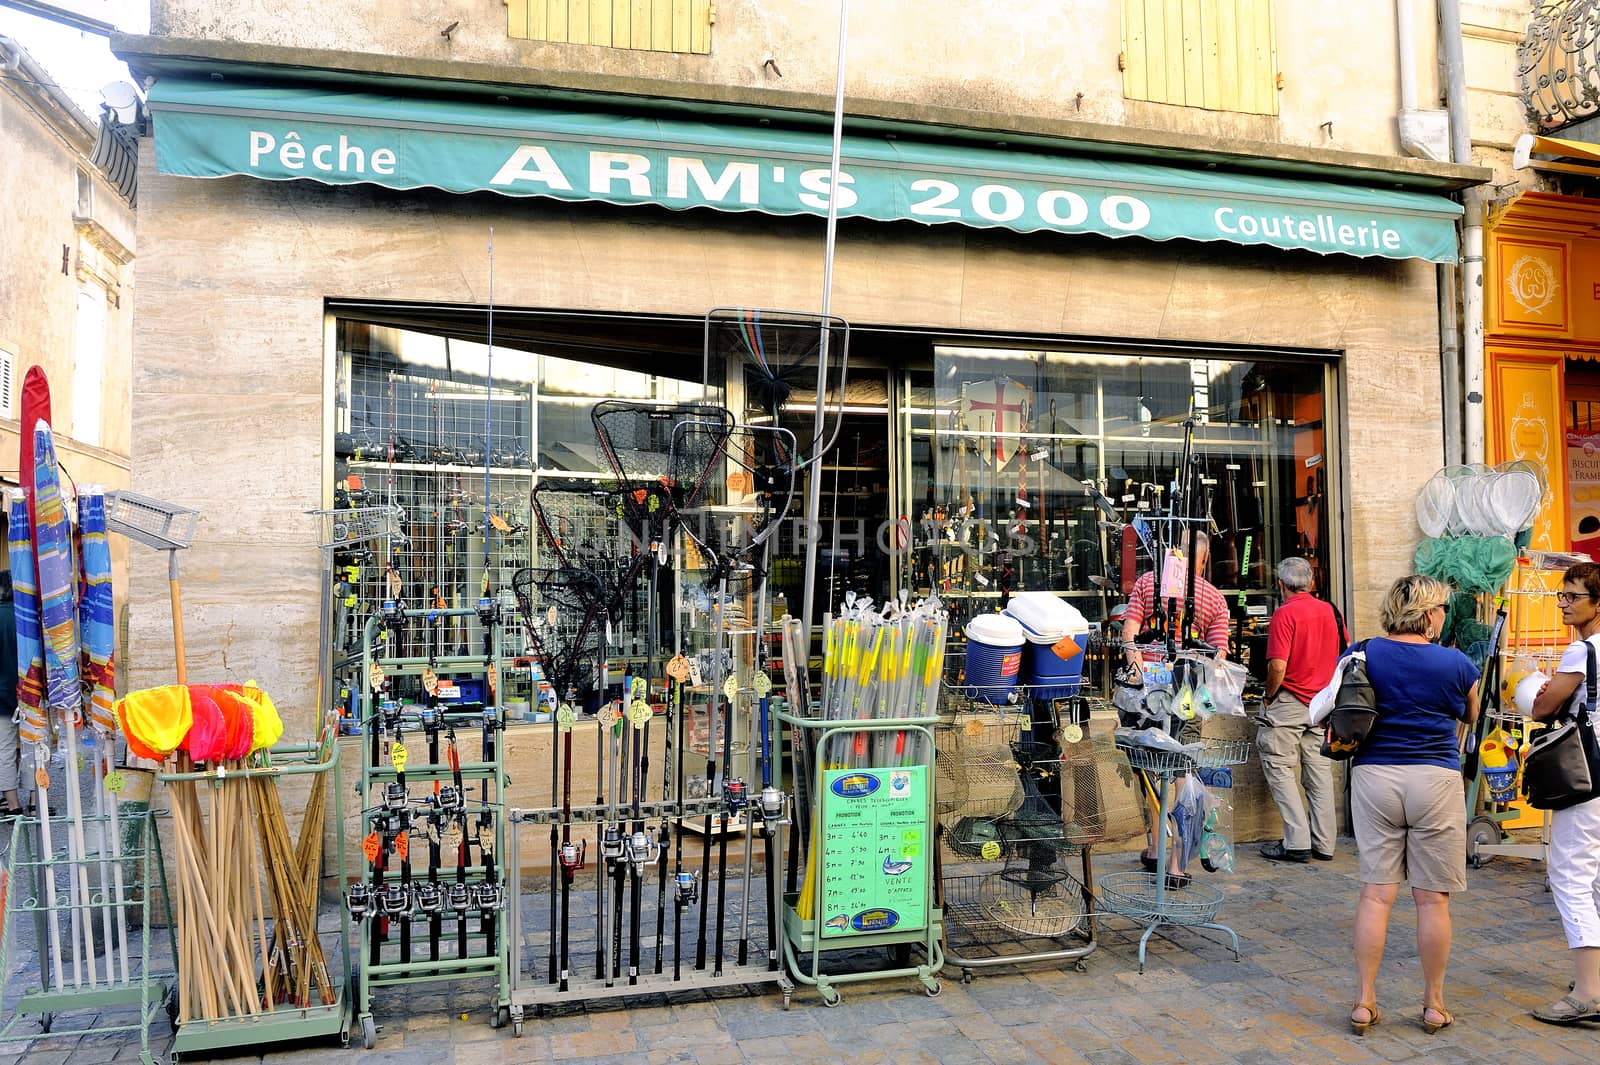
x,y
685,884
717,669
734,801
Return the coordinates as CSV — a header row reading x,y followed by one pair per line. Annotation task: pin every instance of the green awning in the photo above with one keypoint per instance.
x,y
208,128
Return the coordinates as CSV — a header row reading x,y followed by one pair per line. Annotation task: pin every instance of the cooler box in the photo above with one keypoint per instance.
x,y
1055,637
994,657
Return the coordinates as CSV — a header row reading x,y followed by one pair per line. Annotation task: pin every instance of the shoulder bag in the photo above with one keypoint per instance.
x,y
1563,765
1354,711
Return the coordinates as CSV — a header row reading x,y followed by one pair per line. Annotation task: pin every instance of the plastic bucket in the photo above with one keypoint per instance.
x,y
1056,635
1502,783
994,657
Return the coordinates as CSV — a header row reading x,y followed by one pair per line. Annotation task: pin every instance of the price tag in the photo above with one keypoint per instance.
x,y
394,585
550,616
430,680
639,713
486,844
432,830
494,678
41,777
115,782
607,716
453,837
738,482
500,524
762,683
402,845
730,687
696,678
983,582
641,688
678,668
398,755
991,851
565,717
1023,502
974,727
1072,733
371,846
1065,648
376,676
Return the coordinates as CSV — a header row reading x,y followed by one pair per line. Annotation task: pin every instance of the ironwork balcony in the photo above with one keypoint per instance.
x,y
1558,62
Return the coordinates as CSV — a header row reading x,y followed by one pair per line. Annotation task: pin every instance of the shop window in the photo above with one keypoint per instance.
x,y
88,365
1018,441
419,414
647,25
1216,54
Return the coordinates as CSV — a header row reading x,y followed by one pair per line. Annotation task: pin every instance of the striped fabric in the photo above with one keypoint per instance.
x,y
58,612
95,610
30,662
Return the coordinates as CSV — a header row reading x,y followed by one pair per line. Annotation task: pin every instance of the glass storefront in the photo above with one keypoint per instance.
x,y
965,470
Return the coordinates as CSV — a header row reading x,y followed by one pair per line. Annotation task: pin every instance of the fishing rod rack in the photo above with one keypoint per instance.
x,y
429,909
121,1001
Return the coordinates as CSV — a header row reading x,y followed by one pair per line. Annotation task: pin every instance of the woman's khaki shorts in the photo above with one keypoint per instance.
x,y
1411,824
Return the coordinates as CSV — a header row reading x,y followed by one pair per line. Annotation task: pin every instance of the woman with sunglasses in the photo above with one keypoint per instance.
x,y
1574,855
1405,792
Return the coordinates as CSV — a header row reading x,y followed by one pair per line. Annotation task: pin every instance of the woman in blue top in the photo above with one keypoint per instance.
x,y
1405,792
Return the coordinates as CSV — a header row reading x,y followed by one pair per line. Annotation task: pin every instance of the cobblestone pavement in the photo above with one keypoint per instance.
x,y
1285,1002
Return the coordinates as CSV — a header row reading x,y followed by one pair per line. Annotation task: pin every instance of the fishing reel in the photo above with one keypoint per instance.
x,y
735,795
458,898
448,801
487,897
642,849
686,887
611,845
429,899
573,856
488,611
396,799
773,805
359,900
396,901
390,710
393,615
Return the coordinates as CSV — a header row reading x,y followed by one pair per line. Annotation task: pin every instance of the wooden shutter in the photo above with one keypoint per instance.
x,y
648,25
1215,54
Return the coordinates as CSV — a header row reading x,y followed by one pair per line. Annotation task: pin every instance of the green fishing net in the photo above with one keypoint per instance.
x,y
1474,565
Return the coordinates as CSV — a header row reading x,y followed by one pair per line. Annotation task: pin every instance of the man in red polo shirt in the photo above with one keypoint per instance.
x,y
1304,641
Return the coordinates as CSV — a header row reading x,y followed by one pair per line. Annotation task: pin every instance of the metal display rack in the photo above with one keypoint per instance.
x,y
806,940
283,1021
403,911
140,984
1147,898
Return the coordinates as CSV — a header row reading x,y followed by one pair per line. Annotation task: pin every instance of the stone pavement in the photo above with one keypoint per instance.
x,y
1286,1002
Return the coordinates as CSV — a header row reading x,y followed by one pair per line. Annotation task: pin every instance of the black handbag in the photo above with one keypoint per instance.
x,y
1355,709
1563,765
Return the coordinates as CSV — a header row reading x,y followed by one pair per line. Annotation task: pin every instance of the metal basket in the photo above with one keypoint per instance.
x,y
973,764
1205,754
346,526
153,522
1042,903
1136,896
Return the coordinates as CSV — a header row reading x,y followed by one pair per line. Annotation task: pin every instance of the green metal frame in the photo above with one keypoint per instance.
x,y
494,961
150,990
283,1022
802,938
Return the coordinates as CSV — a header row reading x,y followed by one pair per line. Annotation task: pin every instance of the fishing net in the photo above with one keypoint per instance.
x,y
1471,563
637,440
779,353
579,526
746,492
563,609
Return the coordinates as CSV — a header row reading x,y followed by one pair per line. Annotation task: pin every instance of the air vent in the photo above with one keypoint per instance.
x,y
8,374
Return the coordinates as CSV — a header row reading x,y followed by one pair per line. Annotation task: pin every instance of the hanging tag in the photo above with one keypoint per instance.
x,y
738,483
638,714
376,676
453,837
371,847
430,680
696,678
762,683
402,845
395,585
432,829
983,582
486,844
550,616
730,687
607,716
494,678
1072,733
991,851
500,524
1065,648
974,727
398,755
565,716
678,668
1023,502
41,777
115,782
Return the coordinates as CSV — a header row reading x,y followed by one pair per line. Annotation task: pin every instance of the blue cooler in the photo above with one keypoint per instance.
x,y
1047,620
994,657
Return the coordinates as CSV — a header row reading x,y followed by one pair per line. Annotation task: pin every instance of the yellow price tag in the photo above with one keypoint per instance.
x,y
1072,734
398,756
638,713
762,684
565,717
730,687
991,851
115,782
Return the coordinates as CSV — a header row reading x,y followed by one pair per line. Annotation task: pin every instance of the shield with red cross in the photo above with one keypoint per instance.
x,y
999,406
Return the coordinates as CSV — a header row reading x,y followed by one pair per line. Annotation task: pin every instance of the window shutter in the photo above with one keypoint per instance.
x,y
1215,54
645,25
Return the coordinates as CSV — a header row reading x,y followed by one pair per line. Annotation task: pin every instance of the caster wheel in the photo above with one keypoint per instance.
x,y
45,1022
1481,832
786,1000
933,987
501,1018
516,1028
1080,967
369,1033
966,976
830,998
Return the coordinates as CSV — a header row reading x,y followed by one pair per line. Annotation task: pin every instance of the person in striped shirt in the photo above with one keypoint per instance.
x,y
1208,622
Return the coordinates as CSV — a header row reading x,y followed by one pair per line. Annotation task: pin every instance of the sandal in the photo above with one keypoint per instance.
x,y
1428,1026
1373,1017
1569,1010
1148,862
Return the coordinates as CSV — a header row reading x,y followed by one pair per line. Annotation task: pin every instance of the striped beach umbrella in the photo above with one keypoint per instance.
x,y
31,723
58,612
95,611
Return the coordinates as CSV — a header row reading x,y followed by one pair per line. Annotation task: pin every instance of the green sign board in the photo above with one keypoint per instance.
x,y
875,851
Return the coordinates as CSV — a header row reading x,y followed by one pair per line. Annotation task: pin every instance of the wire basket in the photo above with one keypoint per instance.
x,y
1203,754
1045,903
153,522
344,527
974,764
1136,896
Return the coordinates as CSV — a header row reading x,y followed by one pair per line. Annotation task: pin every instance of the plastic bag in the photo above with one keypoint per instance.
x,y
1227,687
1216,841
1188,817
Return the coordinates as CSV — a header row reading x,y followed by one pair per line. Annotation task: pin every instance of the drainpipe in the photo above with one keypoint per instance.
x,y
1472,234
